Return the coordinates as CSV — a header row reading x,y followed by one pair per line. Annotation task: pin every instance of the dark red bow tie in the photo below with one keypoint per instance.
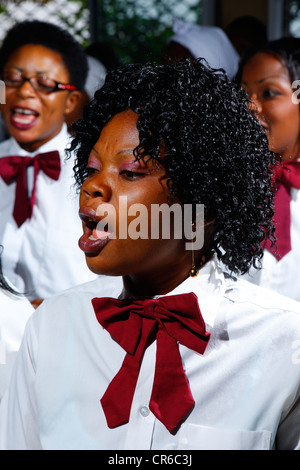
x,y
133,324
286,176
14,168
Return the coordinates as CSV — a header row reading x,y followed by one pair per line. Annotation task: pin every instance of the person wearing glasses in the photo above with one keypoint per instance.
x,y
44,70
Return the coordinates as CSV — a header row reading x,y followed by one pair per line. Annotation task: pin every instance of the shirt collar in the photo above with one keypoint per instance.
x,y
209,286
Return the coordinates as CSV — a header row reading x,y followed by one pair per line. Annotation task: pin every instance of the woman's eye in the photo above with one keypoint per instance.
x,y
131,175
90,171
269,93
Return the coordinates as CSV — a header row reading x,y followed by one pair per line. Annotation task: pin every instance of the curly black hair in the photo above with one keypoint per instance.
x,y
53,37
217,153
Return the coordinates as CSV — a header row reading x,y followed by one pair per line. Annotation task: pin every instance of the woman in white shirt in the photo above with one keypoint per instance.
x,y
44,70
270,75
180,356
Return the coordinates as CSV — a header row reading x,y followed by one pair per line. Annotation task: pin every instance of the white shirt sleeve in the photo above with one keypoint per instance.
x,y
18,423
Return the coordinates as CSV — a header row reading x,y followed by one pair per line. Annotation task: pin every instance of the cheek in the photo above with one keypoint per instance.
x,y
54,105
287,121
9,97
283,118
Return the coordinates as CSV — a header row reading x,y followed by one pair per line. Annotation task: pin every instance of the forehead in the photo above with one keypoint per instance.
x,y
262,66
120,131
36,57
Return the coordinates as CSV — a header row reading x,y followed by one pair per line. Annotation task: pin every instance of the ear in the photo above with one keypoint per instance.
x,y
72,100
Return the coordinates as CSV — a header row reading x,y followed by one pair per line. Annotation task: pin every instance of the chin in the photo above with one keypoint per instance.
x,y
101,269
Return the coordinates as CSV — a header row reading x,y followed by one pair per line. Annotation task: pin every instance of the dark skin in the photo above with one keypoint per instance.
x,y
148,266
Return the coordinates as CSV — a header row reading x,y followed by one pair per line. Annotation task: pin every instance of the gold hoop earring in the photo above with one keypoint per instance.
x,y
193,272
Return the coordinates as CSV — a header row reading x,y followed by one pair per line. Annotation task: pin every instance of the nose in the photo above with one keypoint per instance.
x,y
97,187
255,105
26,89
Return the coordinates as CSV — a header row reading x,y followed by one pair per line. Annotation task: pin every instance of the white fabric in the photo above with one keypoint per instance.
x,y
283,276
245,386
42,256
209,42
14,313
96,76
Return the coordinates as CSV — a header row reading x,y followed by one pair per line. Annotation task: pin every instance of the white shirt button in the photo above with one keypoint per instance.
x,y
144,411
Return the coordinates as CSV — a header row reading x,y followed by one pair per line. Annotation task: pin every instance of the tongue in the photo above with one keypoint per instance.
x,y
24,118
100,234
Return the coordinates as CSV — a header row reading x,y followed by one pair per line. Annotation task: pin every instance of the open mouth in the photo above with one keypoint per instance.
x,y
23,118
96,233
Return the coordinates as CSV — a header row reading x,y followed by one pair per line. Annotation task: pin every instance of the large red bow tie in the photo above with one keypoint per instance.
x,y
15,168
134,324
286,176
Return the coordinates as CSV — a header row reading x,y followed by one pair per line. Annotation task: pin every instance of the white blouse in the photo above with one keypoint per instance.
x,y
14,313
42,256
245,386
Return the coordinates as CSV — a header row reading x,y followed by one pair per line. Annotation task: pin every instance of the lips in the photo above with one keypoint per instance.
x,y
95,236
23,117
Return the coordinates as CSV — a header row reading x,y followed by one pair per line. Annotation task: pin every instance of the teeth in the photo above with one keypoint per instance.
x,y
23,111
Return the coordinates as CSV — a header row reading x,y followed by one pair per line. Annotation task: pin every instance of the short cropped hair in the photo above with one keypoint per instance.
x,y
52,37
286,50
216,152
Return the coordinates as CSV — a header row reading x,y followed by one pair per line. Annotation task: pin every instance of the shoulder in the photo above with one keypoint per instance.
x,y
67,321
74,304
259,308
102,286
240,290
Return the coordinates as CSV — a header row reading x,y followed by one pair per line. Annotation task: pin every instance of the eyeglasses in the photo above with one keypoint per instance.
x,y
39,83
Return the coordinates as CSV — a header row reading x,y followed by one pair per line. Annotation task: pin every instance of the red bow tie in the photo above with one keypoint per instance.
x,y
286,176
134,324
15,168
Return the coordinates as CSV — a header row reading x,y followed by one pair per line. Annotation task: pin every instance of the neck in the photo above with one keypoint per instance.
x,y
31,147
149,285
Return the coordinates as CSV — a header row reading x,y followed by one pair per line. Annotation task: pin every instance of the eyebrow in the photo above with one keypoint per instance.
x,y
130,151
122,151
264,79
22,70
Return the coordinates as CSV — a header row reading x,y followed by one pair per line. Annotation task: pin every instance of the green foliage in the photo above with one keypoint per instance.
x,y
138,30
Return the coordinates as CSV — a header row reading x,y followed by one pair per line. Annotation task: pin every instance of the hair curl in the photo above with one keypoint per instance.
x,y
52,37
217,153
